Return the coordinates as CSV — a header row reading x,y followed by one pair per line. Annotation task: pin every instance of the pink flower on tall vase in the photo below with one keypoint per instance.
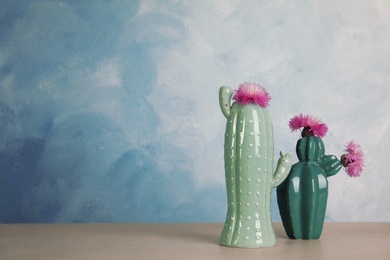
x,y
312,126
353,160
252,93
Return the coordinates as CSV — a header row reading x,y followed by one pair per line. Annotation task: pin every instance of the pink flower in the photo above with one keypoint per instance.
x,y
251,93
354,159
312,125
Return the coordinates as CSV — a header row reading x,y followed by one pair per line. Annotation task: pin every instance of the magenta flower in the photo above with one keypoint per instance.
x,y
311,125
353,160
252,93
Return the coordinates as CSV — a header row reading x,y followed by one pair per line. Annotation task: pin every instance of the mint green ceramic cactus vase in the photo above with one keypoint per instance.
x,y
249,163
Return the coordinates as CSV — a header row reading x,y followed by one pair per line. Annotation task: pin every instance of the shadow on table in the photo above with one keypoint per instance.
x,y
209,233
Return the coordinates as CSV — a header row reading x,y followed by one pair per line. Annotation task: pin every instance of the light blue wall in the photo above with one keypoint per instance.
x,y
109,109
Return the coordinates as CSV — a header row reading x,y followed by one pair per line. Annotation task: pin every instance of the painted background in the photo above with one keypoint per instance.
x,y
109,109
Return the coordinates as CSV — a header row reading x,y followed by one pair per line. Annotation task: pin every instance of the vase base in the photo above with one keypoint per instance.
x,y
246,247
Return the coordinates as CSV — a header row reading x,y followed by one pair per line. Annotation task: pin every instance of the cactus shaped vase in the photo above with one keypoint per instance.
x,y
302,197
249,163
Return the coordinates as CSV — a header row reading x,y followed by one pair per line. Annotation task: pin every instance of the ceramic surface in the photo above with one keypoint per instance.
x,y
249,163
302,197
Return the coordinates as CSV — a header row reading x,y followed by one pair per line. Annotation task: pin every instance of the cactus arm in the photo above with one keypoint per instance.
x,y
225,94
330,164
282,169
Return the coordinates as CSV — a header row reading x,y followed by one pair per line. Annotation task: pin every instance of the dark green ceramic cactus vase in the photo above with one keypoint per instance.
x,y
302,197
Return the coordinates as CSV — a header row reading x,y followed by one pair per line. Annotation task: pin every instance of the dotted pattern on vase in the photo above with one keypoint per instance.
x,y
249,167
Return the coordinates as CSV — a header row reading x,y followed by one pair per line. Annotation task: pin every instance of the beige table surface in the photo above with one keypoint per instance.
x,y
349,241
